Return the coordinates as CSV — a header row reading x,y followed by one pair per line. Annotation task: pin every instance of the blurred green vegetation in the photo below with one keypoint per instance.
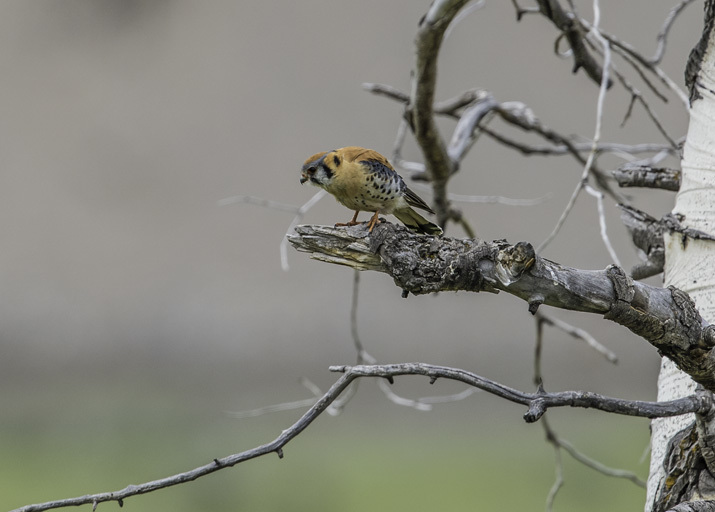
x,y
375,456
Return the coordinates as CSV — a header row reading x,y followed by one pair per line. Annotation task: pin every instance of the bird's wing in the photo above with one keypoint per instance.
x,y
379,164
416,201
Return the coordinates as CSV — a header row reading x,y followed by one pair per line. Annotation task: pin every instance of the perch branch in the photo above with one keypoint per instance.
x,y
665,317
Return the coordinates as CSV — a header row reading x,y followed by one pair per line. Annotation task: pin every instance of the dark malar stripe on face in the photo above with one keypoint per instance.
x,y
326,170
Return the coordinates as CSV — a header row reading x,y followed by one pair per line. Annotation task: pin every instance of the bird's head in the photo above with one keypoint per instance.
x,y
320,168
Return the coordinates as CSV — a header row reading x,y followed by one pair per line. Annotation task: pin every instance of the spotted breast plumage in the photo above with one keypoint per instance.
x,y
363,180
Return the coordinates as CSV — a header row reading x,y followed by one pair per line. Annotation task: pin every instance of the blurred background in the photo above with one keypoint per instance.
x,y
136,313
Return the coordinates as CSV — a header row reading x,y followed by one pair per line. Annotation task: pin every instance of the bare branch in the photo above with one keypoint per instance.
x,y
583,182
625,49
602,222
665,317
516,114
388,91
266,203
299,212
597,466
420,114
538,403
362,354
275,446
647,235
296,220
520,11
551,435
561,444
558,481
663,34
420,404
269,409
572,31
559,149
648,177
578,333
465,133
508,201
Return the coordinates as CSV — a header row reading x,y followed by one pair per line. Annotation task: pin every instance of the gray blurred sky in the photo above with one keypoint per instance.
x,y
123,123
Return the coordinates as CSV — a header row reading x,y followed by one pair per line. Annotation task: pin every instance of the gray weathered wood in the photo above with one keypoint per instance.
x,y
419,264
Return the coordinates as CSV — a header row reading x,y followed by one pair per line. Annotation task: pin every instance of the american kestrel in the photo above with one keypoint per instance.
x,y
363,180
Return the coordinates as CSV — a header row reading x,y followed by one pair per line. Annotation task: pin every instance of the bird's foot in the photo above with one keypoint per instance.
x,y
374,221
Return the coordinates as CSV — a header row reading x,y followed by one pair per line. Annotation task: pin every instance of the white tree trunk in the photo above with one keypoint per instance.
x,y
690,266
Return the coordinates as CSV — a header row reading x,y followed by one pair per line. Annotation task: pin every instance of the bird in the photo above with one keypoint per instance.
x,y
363,180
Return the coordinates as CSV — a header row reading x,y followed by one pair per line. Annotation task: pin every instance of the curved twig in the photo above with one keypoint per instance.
x,y
537,403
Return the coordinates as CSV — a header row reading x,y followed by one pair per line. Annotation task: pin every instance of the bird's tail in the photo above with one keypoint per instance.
x,y
417,222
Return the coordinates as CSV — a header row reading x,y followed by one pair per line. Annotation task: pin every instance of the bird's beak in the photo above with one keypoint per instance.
x,y
303,178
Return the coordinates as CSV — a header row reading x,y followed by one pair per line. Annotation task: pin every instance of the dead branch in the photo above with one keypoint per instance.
x,y
648,177
540,401
537,404
574,34
665,317
647,235
419,111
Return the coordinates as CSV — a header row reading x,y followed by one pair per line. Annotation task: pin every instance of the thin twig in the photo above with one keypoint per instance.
x,y
420,404
602,222
270,409
508,201
538,349
597,466
637,96
468,9
266,203
662,36
362,355
562,145
536,401
299,212
579,147
520,11
596,137
558,469
296,220
275,446
577,333
656,70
